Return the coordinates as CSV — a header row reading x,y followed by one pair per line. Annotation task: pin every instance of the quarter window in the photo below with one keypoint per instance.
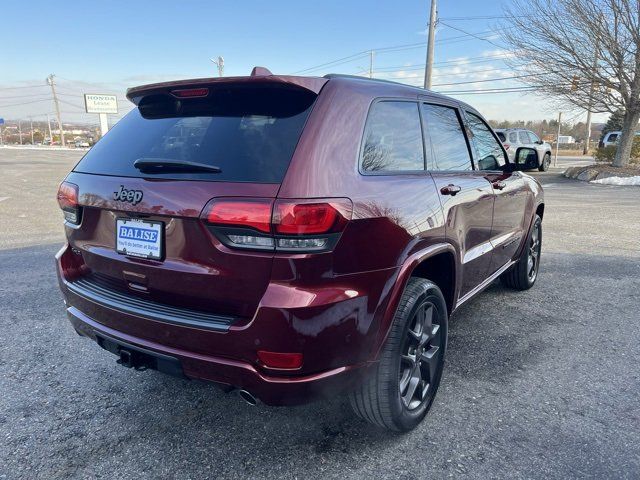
x,y
490,154
444,139
393,138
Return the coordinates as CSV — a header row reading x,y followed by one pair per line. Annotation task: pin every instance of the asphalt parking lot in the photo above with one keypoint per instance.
x,y
542,384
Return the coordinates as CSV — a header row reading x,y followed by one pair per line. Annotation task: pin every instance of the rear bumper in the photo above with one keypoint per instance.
x,y
235,374
336,332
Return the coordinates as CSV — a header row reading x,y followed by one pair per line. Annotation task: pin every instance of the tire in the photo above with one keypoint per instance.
x,y
546,161
523,275
412,358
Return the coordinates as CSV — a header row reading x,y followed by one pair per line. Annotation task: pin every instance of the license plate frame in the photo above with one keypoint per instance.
x,y
143,239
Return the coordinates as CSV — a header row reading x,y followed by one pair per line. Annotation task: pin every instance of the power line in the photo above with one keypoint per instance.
x,y
24,96
22,86
25,103
479,17
493,79
478,37
392,48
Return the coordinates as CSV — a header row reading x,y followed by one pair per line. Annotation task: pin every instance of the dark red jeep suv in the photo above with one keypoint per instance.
x,y
292,237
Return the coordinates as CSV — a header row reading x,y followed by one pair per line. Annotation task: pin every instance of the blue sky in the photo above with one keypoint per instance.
x,y
114,45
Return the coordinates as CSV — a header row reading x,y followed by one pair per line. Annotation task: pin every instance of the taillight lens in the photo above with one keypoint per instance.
x,y
286,225
245,213
68,201
506,146
291,218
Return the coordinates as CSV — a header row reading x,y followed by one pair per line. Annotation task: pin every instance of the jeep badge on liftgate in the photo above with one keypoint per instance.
x,y
131,196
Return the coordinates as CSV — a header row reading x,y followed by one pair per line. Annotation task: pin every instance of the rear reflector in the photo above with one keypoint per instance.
x,y
254,213
68,201
190,92
285,361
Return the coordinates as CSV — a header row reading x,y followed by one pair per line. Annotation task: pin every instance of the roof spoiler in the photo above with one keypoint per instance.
x,y
259,76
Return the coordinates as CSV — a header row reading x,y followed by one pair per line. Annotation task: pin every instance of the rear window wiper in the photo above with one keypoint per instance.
x,y
164,165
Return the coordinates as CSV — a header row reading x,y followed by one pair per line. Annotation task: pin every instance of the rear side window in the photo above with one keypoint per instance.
x,y
513,137
393,138
444,139
249,133
612,137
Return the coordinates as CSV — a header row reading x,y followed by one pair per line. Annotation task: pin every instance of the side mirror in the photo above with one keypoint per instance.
x,y
526,159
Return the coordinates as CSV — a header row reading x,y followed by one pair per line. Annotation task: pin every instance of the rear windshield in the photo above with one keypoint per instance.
x,y
501,136
249,133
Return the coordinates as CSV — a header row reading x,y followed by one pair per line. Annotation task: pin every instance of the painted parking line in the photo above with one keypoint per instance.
x,y
4,198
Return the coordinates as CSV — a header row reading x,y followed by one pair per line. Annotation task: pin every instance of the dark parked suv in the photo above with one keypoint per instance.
x,y
293,237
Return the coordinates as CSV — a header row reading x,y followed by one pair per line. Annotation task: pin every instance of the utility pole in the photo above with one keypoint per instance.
x,y
31,121
555,162
20,130
220,64
57,105
371,64
50,134
432,33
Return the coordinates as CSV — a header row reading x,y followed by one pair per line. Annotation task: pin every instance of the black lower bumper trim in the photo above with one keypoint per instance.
x,y
140,358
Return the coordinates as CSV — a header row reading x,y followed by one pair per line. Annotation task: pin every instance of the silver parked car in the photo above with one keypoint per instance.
x,y
611,139
514,138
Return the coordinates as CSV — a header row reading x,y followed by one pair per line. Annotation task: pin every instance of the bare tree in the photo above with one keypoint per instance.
x,y
585,53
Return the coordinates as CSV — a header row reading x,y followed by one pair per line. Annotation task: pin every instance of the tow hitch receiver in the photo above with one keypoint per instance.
x,y
132,360
139,358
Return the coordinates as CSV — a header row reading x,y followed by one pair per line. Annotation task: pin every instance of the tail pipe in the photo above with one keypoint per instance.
x,y
247,397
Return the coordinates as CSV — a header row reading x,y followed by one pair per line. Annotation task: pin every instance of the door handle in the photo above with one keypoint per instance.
x,y
450,189
499,185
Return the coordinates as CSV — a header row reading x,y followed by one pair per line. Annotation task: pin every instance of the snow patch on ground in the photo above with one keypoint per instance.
x,y
619,181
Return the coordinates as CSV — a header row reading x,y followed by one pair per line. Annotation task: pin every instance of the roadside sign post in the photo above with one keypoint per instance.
x,y
102,105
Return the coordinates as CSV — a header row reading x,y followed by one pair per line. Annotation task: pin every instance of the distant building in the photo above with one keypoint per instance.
x,y
566,139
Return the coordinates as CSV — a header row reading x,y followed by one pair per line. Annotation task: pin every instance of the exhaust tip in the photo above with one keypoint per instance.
x,y
247,397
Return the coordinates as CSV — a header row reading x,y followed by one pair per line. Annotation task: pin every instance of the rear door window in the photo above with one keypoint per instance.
x,y
249,133
393,138
524,137
501,136
513,137
445,140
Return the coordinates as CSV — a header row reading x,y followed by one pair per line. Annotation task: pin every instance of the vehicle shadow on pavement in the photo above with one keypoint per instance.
x,y
517,393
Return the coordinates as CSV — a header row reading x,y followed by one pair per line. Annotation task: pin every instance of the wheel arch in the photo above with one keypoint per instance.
x,y
425,263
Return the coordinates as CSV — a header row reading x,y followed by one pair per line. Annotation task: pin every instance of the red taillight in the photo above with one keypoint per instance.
x,y
285,361
242,213
190,92
506,146
68,201
67,195
283,226
293,218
